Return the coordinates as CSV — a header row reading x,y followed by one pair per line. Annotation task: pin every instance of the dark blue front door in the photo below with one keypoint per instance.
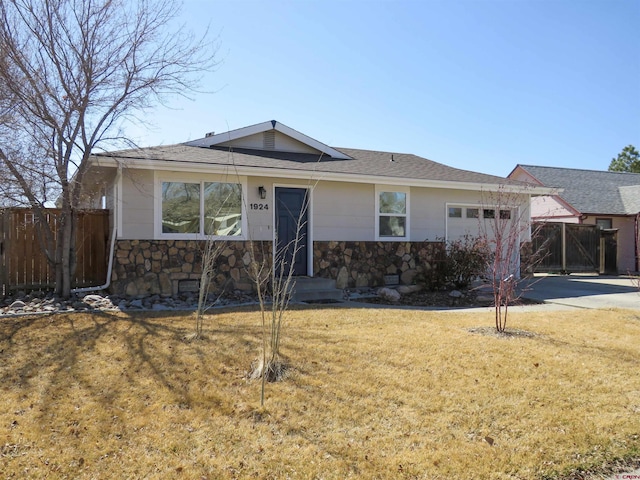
x,y
292,229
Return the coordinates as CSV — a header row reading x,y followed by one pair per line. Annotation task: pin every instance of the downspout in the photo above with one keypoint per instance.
x,y
109,268
114,231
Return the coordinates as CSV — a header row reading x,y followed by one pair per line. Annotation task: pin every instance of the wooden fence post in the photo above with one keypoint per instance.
x,y
564,247
4,229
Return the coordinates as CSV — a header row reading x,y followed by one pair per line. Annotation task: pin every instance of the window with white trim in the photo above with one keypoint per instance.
x,y
505,214
190,209
455,212
392,213
472,213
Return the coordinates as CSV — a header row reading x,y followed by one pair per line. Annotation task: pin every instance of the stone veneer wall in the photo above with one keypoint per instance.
x,y
365,264
171,267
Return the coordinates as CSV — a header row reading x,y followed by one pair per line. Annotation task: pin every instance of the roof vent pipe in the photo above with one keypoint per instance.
x,y
210,134
392,160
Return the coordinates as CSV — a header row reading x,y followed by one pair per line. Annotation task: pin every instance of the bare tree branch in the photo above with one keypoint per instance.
x,y
71,73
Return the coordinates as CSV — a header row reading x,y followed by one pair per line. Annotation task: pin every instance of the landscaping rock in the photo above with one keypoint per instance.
x,y
48,303
389,294
17,305
485,298
407,289
137,303
342,281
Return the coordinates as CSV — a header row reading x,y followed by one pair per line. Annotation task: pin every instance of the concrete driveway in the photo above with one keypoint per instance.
x,y
584,291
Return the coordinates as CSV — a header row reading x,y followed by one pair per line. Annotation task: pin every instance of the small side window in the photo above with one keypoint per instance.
x,y
455,212
473,213
489,213
604,223
505,214
392,214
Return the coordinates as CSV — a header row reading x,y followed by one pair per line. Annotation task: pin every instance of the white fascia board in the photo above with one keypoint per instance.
x,y
540,191
264,127
230,135
310,141
319,175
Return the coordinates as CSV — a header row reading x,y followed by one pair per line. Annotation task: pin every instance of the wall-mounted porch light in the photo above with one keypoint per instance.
x,y
262,192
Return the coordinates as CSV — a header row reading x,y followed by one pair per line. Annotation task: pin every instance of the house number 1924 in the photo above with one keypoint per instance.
x,y
259,206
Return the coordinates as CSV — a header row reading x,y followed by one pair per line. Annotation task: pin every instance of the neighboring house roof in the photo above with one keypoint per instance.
x,y
316,161
592,191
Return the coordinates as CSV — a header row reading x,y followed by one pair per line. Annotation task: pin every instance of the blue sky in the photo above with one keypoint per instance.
x,y
476,84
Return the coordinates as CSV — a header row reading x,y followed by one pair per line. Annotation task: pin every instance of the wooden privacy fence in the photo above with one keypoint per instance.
x,y
573,247
23,263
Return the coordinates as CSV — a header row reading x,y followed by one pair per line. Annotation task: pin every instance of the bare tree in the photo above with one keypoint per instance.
x,y
73,72
277,276
504,224
212,250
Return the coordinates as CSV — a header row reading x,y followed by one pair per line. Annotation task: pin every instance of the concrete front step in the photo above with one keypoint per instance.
x,y
318,295
308,289
313,283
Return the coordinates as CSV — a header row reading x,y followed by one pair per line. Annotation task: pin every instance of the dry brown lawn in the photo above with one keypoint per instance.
x,y
371,393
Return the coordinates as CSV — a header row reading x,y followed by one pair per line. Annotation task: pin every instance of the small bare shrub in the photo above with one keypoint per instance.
x,y
505,225
279,277
467,259
210,255
456,263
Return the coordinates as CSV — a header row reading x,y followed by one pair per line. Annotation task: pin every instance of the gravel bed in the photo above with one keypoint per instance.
x,y
42,302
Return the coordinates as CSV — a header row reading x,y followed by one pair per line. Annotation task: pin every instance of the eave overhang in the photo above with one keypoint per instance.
x,y
314,175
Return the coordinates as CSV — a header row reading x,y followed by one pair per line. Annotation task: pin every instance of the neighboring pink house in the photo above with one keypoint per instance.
x,y
608,199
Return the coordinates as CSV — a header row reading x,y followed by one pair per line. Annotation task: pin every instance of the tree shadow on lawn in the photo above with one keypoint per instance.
x,y
117,361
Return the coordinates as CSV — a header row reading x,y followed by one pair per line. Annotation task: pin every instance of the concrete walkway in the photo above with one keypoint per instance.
x,y
584,291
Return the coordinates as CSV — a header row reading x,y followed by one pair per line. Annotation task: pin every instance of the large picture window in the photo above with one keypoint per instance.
x,y
180,207
212,208
223,209
392,213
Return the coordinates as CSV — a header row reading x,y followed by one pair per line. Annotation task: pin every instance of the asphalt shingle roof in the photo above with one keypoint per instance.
x,y
362,162
592,191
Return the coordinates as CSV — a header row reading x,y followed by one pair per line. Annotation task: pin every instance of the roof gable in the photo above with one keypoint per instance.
x,y
270,135
591,191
